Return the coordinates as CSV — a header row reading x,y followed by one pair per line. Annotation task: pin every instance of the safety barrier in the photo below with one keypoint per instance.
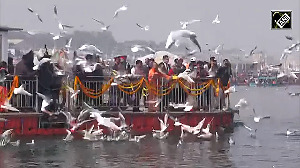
x,y
128,93
21,102
131,93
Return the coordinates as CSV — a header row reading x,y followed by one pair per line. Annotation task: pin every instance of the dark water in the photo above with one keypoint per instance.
x,y
270,148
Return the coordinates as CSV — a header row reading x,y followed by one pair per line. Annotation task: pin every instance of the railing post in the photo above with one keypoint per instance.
x,y
36,96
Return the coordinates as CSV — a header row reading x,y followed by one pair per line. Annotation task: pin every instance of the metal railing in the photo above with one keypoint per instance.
x,y
164,95
23,102
116,99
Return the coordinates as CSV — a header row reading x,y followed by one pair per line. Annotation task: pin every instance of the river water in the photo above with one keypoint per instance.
x,y
270,148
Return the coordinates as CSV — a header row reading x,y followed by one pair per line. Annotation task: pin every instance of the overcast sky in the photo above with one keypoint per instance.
x,y
244,23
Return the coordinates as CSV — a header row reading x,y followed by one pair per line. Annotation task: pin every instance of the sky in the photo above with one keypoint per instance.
x,y
244,23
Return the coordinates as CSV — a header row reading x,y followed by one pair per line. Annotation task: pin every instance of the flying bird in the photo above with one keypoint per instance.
x,y
30,143
184,24
174,37
55,10
185,75
146,28
241,104
105,27
22,91
190,52
216,51
230,90
257,118
38,16
251,131
136,48
68,43
46,101
8,106
252,51
216,21
90,48
289,38
123,8
5,137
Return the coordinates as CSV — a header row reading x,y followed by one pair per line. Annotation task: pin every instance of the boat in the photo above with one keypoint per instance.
x,y
29,121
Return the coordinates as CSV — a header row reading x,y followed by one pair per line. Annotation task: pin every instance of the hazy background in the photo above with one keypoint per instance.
x,y
244,24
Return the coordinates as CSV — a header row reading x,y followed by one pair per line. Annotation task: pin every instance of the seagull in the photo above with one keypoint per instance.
x,y
46,101
62,27
294,94
184,24
160,134
146,28
88,134
216,51
104,28
252,131
289,50
216,21
56,36
137,138
69,136
241,104
291,132
185,75
20,90
136,48
5,137
107,122
30,143
258,118
38,16
90,48
55,10
193,130
289,38
74,93
252,51
207,134
230,90
231,141
190,52
38,63
16,143
8,106
68,43
123,8
174,37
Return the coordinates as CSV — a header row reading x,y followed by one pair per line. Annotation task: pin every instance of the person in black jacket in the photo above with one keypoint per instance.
x,y
224,73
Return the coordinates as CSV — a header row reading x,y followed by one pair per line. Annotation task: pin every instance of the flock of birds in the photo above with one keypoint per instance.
x,y
243,104
174,37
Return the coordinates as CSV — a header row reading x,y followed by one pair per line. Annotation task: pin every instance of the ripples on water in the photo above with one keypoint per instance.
x,y
270,148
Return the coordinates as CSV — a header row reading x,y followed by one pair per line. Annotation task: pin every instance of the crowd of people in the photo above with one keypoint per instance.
x,y
50,83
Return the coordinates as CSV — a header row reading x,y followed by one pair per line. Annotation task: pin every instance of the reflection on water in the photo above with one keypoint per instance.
x,y
270,148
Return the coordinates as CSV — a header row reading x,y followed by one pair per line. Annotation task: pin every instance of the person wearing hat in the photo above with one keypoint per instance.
x,y
192,63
